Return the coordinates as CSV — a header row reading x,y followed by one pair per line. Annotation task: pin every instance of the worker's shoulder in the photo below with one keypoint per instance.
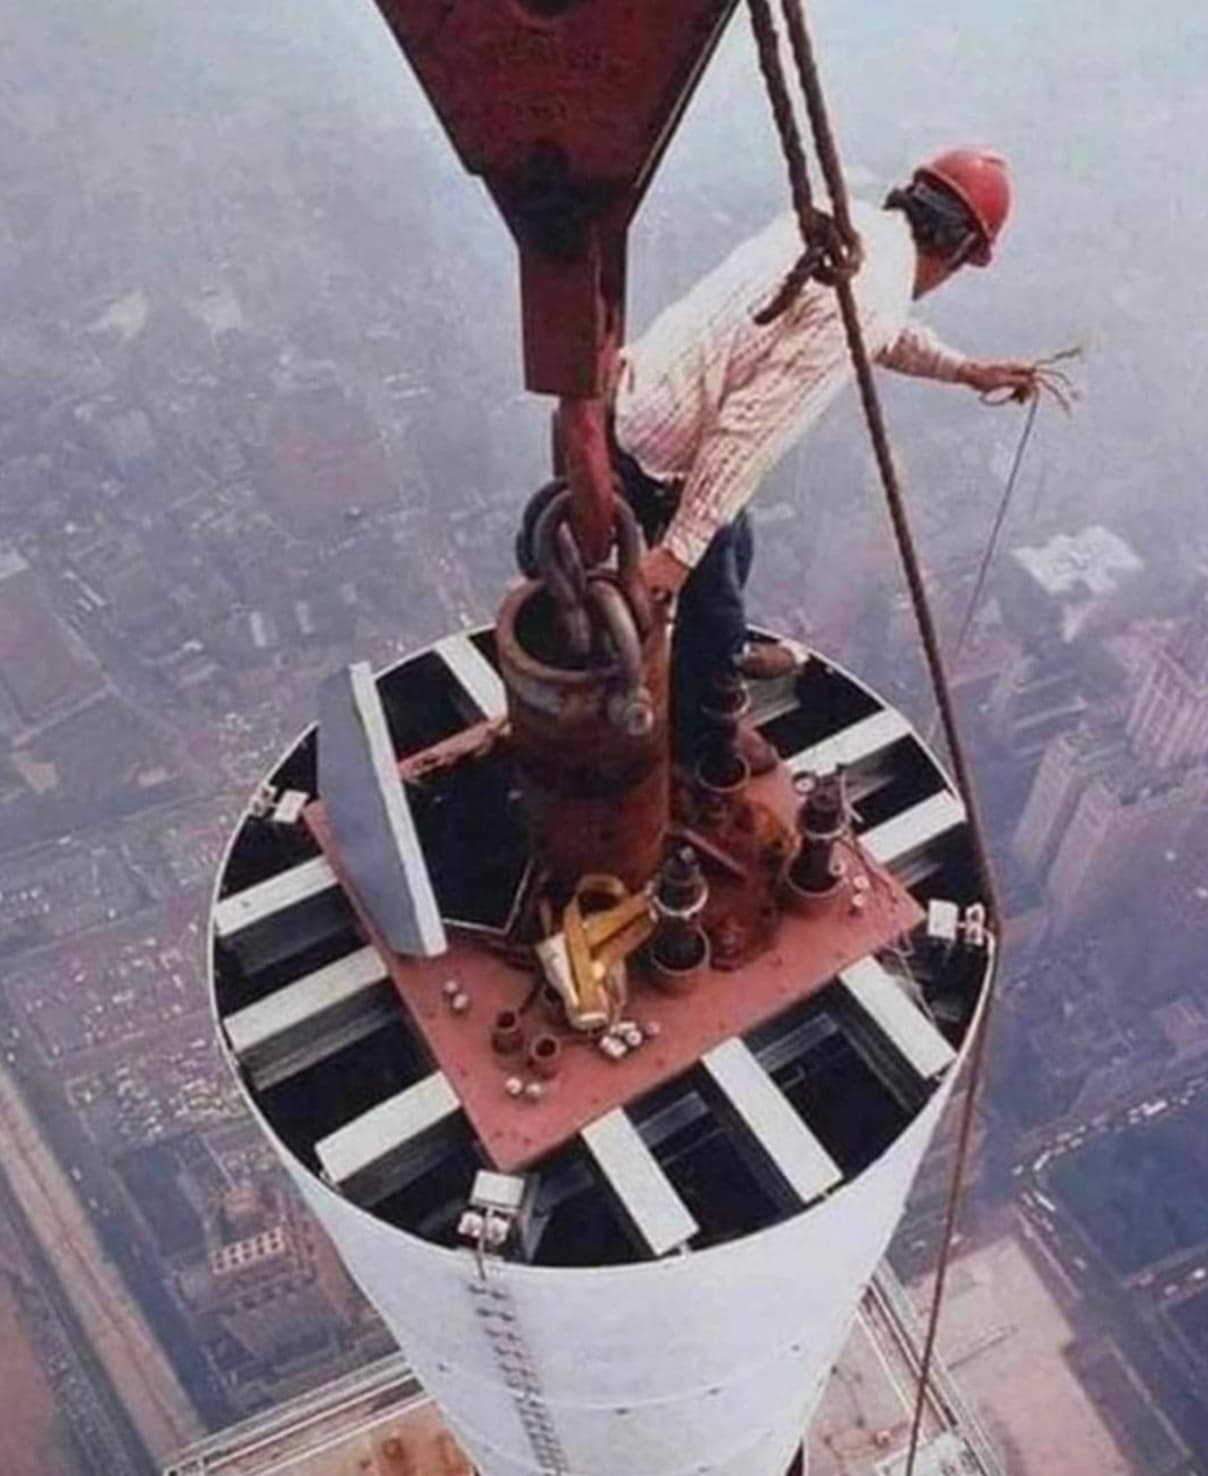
x,y
884,233
757,264
880,229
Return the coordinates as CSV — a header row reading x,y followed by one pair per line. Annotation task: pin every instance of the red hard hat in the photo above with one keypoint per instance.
x,y
981,183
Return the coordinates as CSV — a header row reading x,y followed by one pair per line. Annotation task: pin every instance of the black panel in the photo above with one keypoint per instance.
x,y
828,701
310,1106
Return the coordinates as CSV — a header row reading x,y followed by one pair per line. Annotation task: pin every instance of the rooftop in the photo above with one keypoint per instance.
x,y
1094,562
379,1422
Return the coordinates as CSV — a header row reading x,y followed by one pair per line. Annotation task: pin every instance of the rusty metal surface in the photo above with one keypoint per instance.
x,y
473,742
596,798
804,957
581,424
745,843
563,107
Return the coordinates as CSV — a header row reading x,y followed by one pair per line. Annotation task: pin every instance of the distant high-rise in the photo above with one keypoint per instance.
x,y
1168,724
1071,585
1069,764
1036,699
1121,818
271,1281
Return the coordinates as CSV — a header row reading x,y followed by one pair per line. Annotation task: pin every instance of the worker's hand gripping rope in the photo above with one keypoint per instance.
x,y
1028,380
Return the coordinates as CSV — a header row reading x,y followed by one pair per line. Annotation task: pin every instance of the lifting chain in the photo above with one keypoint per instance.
x,y
602,611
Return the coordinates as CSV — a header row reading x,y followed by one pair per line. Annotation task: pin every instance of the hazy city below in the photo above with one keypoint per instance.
x,y
262,413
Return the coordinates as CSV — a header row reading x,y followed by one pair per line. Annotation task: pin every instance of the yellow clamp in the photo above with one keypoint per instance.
x,y
585,962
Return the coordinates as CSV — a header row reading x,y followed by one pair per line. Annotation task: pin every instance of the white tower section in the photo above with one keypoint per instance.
x,y
690,1264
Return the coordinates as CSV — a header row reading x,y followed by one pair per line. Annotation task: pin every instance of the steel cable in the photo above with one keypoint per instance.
x,y
828,154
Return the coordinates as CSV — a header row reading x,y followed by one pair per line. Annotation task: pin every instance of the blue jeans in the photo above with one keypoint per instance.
x,y
711,618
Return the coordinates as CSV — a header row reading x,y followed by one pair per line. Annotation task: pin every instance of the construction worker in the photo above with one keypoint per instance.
x,y
708,400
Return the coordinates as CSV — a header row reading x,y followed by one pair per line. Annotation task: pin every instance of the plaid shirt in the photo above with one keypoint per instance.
x,y
709,397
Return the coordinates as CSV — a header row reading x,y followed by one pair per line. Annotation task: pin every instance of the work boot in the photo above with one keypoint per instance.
x,y
764,660
760,755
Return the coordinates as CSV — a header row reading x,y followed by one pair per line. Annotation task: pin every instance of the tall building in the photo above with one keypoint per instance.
x,y
1036,699
1123,819
1168,725
375,1422
1109,800
271,1282
1069,764
1071,586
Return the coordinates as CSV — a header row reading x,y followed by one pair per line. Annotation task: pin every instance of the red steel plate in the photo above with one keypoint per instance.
x,y
515,1132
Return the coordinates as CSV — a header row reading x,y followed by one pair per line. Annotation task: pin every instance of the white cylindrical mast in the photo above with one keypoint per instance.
x,y
686,1271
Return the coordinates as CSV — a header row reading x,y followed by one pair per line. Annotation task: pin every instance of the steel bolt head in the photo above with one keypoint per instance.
x,y
632,712
730,938
470,1225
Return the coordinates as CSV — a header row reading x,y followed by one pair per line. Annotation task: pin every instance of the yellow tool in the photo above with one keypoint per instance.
x,y
585,962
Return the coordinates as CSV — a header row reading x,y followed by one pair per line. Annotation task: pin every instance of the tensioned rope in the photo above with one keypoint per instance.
x,y
841,266
987,559
1056,384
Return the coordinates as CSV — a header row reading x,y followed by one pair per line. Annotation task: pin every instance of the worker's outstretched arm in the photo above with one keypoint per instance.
x,y
917,351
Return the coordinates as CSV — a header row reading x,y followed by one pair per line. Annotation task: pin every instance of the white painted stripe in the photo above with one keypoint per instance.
x,y
871,735
429,929
801,1159
475,673
286,889
884,1000
304,1003
658,1213
897,838
387,1129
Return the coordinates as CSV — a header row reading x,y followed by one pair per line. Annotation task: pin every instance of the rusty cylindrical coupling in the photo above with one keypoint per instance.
x,y
596,797
507,1034
720,770
679,950
545,1055
817,872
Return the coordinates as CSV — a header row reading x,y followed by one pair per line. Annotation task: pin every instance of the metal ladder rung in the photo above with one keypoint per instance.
x,y
646,1194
